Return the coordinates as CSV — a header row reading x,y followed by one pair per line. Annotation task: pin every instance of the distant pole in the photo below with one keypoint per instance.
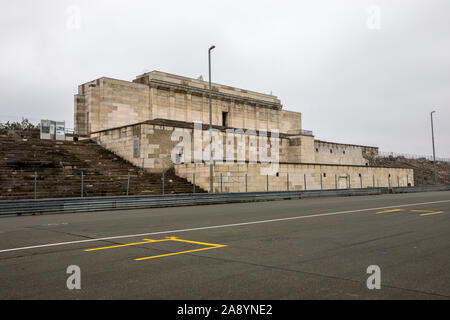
x,y
304,179
321,181
246,187
162,180
210,124
35,184
267,182
349,181
360,180
82,183
193,184
434,153
287,182
128,183
373,181
221,188
407,181
335,181
398,181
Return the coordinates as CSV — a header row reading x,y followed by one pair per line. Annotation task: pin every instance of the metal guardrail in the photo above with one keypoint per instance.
x,y
64,205
421,188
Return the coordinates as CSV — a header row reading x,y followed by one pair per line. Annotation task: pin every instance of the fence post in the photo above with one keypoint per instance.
x,y
246,190
287,181
304,179
128,183
193,184
221,188
82,184
267,182
162,178
35,184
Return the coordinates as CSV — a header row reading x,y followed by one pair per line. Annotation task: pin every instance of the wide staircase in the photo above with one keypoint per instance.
x,y
61,166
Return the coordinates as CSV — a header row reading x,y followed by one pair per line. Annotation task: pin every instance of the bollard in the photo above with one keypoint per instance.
x,y
162,178
128,183
193,184
35,184
82,184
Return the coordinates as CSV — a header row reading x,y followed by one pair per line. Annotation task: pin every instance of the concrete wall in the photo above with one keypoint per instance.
x,y
233,177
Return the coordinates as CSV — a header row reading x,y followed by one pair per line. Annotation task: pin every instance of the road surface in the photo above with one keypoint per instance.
x,y
294,249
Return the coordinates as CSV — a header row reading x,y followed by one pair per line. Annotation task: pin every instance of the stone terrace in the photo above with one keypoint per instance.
x,y
59,165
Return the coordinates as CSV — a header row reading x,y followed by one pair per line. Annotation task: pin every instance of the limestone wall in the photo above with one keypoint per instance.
x,y
333,176
108,103
338,153
157,145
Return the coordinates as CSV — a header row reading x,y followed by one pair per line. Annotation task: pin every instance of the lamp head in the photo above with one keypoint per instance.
x,y
212,47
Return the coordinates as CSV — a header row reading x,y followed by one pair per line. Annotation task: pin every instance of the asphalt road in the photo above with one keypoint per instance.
x,y
294,249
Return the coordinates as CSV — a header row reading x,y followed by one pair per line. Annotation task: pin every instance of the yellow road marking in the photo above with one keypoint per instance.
x,y
420,210
128,244
209,247
392,210
181,252
427,214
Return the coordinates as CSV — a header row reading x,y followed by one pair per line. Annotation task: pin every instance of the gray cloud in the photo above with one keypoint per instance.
x,y
352,84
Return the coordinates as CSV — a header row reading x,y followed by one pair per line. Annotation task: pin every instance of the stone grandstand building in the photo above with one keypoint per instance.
x,y
161,121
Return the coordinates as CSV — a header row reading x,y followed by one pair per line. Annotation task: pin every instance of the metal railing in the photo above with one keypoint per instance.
x,y
410,156
64,205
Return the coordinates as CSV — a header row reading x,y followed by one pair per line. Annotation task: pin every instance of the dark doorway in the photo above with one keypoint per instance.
x,y
225,119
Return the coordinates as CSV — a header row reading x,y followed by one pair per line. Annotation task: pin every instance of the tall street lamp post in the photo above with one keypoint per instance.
x,y
210,125
434,153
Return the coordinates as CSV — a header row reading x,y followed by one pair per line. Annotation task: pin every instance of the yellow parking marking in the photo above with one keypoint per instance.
x,y
181,252
392,210
209,247
128,244
430,213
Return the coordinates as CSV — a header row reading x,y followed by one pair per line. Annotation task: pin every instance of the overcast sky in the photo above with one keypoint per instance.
x,y
360,72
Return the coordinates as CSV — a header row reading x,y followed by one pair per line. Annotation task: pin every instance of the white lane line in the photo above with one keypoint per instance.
x,y
218,226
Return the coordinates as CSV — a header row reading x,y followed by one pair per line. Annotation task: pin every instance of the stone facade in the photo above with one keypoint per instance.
x,y
107,103
249,177
160,121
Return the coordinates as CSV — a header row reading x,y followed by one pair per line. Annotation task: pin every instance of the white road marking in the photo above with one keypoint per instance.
x,y
217,226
